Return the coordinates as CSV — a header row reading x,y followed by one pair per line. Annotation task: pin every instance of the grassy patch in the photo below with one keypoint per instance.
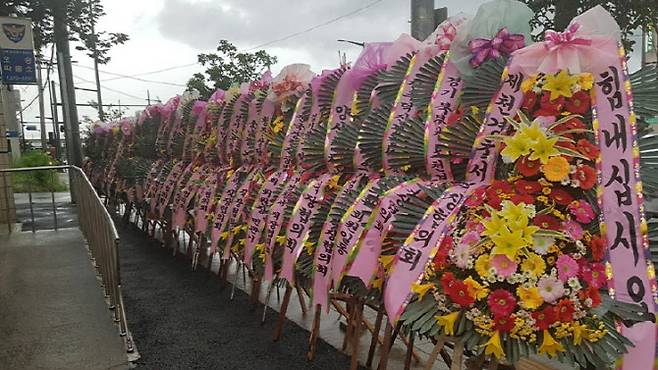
x,y
36,181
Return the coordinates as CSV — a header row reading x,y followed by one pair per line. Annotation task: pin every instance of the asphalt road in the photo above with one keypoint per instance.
x,y
183,320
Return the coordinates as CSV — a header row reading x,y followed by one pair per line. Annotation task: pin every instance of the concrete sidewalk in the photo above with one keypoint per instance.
x,y
52,311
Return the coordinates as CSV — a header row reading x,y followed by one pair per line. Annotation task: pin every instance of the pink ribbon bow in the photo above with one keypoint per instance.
x,y
504,43
568,37
198,107
446,35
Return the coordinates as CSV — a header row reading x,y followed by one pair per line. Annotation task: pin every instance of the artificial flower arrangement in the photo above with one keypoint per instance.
x,y
523,269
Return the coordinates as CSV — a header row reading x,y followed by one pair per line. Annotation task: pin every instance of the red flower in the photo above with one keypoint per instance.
x,y
572,124
527,167
530,100
440,260
544,318
504,324
529,187
460,295
447,281
549,108
588,149
455,116
591,293
579,103
495,203
585,175
501,302
565,310
594,275
523,198
498,188
597,245
561,197
547,222
477,198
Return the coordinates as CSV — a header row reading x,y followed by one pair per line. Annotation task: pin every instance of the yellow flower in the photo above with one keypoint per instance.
x,y
482,265
515,212
560,84
533,264
421,289
355,107
386,261
475,289
543,148
309,247
533,132
530,297
378,282
579,331
493,226
549,345
277,125
494,347
528,231
529,83
448,322
556,169
585,81
508,243
515,147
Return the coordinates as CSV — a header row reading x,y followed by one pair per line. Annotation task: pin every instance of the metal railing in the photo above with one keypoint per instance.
x,y
51,169
102,238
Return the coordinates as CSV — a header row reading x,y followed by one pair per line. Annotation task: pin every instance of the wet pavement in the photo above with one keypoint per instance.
x,y
42,211
54,315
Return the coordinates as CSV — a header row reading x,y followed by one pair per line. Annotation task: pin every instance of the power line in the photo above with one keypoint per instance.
x,y
316,26
133,77
109,89
155,72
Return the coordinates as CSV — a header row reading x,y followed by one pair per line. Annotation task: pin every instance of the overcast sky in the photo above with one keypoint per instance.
x,y
170,33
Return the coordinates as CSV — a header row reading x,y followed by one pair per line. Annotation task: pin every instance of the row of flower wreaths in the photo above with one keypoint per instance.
x,y
480,186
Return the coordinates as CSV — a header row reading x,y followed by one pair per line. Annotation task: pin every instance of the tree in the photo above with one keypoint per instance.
x,y
629,14
228,66
82,15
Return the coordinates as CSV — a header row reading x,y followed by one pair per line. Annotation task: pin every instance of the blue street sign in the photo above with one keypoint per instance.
x,y
17,66
12,133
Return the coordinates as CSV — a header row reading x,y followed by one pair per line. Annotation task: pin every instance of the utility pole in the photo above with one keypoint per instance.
x,y
101,115
148,97
424,18
42,115
7,204
53,99
71,125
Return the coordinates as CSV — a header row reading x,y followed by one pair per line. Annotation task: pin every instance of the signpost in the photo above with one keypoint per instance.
x,y
17,52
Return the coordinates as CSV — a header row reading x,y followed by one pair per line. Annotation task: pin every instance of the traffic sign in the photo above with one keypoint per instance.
x,y
17,52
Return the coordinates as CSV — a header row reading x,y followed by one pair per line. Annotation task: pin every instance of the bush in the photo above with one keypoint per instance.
x,y
36,181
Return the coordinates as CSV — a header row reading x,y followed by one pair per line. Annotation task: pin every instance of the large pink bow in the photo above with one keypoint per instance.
x,y
568,37
504,43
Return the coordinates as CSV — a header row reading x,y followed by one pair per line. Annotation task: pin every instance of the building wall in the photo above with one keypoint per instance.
x,y
7,205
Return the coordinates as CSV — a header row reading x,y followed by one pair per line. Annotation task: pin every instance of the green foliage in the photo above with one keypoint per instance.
x,y
629,14
227,67
81,14
36,181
